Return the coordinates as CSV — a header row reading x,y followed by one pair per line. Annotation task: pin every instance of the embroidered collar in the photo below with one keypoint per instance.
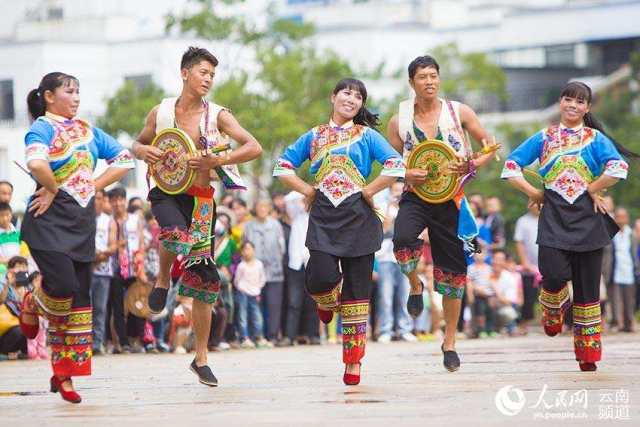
x,y
571,130
57,118
347,125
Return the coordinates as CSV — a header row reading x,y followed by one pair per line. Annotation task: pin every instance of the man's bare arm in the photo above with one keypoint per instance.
x,y
249,149
412,176
141,148
472,124
393,134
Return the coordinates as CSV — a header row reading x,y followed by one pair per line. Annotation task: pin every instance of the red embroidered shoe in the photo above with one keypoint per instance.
x,y
69,396
28,330
587,366
350,379
552,323
325,315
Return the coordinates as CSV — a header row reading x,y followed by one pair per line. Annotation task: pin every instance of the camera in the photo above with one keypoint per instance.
x,y
23,278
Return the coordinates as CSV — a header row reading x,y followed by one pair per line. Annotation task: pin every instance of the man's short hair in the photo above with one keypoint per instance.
x,y
4,206
194,55
422,62
13,261
5,182
118,192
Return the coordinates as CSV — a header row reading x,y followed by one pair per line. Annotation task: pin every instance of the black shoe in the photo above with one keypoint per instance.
x,y
284,342
157,299
415,304
205,376
451,360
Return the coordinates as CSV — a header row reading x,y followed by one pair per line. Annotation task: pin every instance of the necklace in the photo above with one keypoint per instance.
x,y
203,125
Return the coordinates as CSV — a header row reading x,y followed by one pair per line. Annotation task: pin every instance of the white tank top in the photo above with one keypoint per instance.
x,y
166,117
448,125
131,233
103,221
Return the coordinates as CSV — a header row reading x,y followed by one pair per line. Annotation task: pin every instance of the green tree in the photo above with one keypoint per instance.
x,y
128,108
619,111
470,76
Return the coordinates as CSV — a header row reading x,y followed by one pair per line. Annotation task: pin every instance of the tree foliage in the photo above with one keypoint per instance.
x,y
128,108
619,110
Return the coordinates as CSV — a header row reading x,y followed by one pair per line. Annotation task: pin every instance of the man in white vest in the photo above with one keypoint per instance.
x,y
451,224
186,217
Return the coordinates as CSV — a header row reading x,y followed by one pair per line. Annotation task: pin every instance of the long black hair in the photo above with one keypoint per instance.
x,y
364,116
579,90
50,82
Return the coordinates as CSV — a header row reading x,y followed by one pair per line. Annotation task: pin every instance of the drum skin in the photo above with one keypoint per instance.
x,y
434,157
172,173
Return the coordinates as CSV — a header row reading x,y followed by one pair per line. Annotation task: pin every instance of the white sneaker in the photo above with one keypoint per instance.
x,y
247,343
223,346
263,343
384,339
408,337
180,350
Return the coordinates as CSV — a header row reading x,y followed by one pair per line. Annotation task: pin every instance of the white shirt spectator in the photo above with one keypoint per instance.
x,y
527,233
480,276
250,277
623,265
508,284
385,254
103,223
298,252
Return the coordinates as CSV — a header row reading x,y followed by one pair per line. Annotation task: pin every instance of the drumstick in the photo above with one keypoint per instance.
x,y
22,167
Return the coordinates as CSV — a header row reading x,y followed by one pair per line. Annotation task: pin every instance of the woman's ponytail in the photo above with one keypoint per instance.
x,y
35,103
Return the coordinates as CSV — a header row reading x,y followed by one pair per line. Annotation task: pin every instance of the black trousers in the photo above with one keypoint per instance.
x,y
302,317
124,326
323,274
449,264
530,295
62,277
272,296
584,270
13,341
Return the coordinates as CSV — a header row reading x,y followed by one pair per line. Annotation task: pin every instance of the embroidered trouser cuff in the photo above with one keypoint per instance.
x,y
449,284
354,329
587,327
554,304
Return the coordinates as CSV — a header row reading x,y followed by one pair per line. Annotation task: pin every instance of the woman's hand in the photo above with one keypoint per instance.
x,y
309,197
598,202
368,197
41,202
536,198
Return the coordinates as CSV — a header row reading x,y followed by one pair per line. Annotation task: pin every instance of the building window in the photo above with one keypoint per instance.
x,y
560,56
55,14
140,81
6,100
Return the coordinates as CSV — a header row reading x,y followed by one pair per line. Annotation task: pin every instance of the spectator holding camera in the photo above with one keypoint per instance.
x,y
9,236
13,286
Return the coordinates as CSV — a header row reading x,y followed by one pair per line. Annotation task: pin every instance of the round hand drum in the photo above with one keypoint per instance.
x,y
434,157
172,173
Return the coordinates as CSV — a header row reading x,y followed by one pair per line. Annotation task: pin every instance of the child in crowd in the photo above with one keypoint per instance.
x,y
483,299
9,237
248,283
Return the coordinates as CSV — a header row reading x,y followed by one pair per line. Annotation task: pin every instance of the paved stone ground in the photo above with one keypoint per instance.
x,y
403,384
